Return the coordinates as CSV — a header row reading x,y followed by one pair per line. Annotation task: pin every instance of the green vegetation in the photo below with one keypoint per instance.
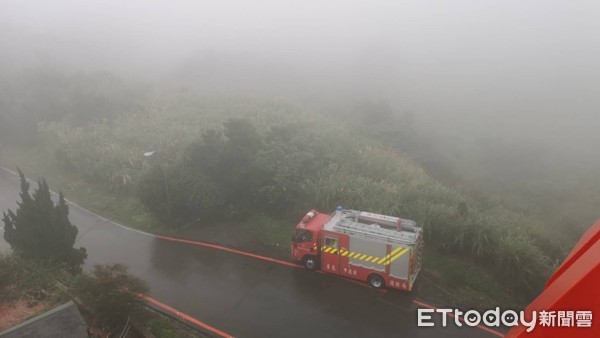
x,y
158,328
162,327
47,94
32,280
39,229
273,162
461,283
541,166
241,160
103,295
110,294
44,269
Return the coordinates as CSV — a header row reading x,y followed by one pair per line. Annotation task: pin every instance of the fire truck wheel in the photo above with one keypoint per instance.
x,y
310,262
376,281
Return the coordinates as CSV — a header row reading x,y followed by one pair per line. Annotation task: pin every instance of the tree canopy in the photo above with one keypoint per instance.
x,y
40,229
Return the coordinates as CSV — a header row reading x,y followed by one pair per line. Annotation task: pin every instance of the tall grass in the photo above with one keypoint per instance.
x,y
353,171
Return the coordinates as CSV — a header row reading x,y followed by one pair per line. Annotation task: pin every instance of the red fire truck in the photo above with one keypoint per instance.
x,y
384,251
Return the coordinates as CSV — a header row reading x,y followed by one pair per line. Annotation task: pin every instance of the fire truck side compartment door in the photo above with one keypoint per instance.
x,y
399,267
330,254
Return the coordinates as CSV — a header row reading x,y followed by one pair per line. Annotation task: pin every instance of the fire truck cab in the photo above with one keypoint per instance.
x,y
384,251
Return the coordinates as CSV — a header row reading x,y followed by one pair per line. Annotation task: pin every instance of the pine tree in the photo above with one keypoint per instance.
x,y
39,229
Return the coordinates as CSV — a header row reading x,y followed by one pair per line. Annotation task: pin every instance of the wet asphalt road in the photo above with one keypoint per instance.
x,y
243,296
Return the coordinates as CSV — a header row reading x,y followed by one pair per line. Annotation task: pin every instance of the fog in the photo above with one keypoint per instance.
x,y
510,67
476,56
477,118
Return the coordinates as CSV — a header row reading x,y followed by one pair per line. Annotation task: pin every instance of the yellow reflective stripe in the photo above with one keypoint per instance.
x,y
396,256
334,251
399,251
327,249
399,254
385,260
395,251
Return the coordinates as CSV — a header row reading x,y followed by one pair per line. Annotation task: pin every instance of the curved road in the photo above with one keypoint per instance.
x,y
244,296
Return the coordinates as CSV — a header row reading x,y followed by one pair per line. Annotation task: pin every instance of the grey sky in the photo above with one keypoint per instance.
x,y
452,56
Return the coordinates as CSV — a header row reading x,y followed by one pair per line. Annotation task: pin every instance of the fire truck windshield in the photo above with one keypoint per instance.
x,y
303,236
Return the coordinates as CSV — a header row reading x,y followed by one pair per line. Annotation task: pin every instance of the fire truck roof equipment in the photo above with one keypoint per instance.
x,y
376,227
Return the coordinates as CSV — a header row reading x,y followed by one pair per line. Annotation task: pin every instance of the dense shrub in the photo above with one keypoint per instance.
x,y
234,171
110,294
191,194
32,280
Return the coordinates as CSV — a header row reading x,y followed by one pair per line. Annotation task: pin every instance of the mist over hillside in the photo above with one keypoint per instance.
x,y
480,78
465,57
477,118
